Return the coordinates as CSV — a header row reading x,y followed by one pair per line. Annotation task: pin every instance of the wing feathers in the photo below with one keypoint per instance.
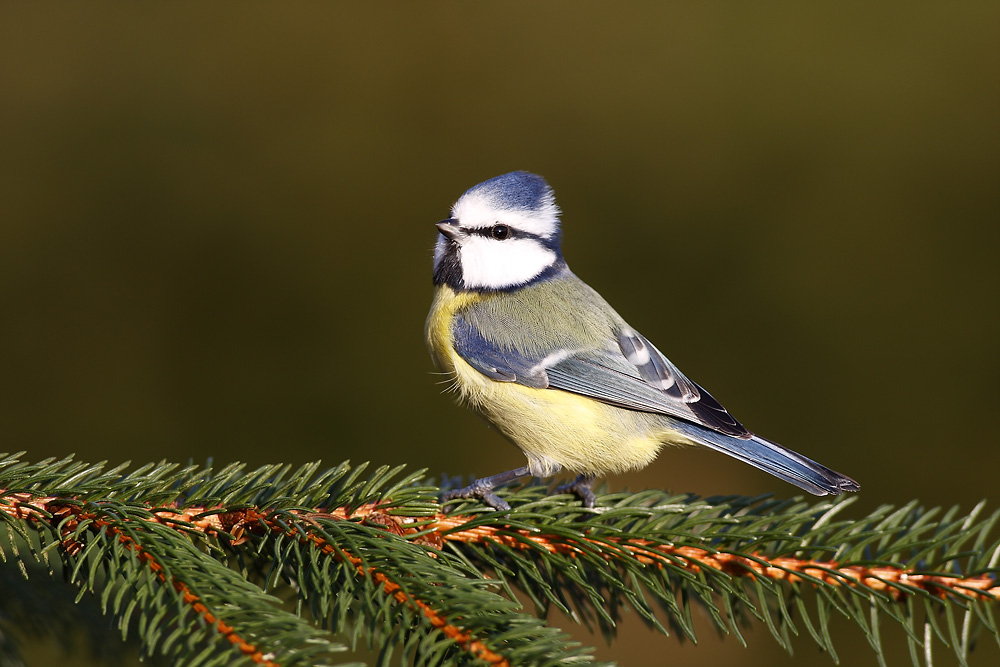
x,y
493,362
658,371
633,375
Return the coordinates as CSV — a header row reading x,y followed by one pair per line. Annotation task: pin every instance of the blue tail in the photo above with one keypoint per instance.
x,y
771,457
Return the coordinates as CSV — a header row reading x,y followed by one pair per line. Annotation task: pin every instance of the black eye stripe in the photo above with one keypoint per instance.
x,y
512,233
488,232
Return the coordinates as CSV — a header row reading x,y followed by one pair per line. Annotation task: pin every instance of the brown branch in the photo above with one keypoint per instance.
x,y
884,579
54,511
464,639
441,528
238,524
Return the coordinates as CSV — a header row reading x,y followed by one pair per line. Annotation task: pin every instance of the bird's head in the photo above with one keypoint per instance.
x,y
502,234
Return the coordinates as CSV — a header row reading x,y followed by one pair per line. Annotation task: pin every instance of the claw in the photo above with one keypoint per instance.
x,y
580,487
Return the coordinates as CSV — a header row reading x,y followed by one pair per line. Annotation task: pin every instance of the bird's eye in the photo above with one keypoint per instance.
x,y
500,232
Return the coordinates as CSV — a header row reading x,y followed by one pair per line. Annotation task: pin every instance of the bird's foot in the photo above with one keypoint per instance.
x,y
478,490
581,489
483,489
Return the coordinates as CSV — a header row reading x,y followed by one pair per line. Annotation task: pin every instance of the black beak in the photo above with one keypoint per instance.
x,y
451,229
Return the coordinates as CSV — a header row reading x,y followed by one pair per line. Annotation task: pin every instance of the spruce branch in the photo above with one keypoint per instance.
x,y
159,568
376,559
894,580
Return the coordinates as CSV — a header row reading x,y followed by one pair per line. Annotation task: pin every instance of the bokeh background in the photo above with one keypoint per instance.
x,y
216,227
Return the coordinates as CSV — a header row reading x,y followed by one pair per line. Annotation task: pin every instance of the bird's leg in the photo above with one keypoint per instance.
x,y
483,489
580,488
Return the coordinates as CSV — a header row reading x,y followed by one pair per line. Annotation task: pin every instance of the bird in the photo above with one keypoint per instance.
x,y
546,361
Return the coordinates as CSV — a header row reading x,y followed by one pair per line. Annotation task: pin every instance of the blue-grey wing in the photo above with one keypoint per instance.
x,y
496,363
630,373
636,375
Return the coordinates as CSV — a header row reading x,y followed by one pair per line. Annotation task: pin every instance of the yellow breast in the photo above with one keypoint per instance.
x,y
555,429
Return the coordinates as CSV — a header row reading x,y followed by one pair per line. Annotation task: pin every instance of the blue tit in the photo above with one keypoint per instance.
x,y
543,358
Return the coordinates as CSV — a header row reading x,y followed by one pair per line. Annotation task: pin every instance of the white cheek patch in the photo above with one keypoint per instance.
x,y
475,211
491,264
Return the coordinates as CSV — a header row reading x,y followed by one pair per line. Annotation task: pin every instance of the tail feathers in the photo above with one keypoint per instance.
x,y
772,458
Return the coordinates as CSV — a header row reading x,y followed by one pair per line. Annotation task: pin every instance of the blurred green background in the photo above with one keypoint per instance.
x,y
216,227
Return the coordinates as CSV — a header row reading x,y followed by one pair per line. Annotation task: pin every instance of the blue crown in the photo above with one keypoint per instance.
x,y
516,191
